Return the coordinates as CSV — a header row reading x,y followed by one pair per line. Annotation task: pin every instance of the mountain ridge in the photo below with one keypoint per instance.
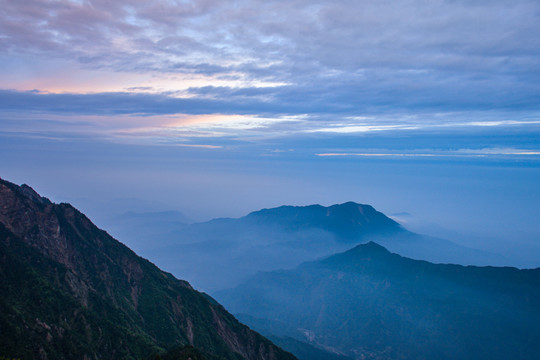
x,y
371,303
79,293
285,236
347,219
268,239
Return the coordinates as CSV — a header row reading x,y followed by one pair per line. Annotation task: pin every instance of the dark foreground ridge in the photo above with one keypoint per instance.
x,y
71,291
369,303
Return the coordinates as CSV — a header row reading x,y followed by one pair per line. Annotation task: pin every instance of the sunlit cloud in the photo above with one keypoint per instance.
x,y
200,146
189,127
64,77
494,123
362,128
378,154
499,151
426,122
236,122
472,153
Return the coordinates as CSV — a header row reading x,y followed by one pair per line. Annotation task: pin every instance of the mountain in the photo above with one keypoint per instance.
x,y
369,303
347,221
268,239
286,236
71,291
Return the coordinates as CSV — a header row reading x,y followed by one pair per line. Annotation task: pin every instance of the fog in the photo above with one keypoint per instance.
x,y
479,200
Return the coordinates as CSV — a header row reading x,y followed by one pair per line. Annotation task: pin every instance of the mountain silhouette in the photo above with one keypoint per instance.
x,y
370,303
350,221
286,236
71,291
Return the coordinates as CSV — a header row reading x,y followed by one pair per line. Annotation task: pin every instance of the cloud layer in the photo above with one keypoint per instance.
x,y
355,55
181,71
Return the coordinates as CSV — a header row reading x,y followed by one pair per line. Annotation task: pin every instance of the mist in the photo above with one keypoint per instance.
x,y
484,202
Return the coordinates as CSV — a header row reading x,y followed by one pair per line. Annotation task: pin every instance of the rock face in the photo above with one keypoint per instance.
x,y
71,291
368,303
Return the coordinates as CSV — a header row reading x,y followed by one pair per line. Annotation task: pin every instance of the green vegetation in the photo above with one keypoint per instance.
x,y
184,353
368,302
70,291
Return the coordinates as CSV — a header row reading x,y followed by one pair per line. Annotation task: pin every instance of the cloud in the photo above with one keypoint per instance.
x,y
464,153
154,118
343,55
131,69
362,128
498,151
119,103
422,122
201,146
378,154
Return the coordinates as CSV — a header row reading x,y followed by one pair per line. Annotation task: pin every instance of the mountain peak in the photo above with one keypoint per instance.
x,y
71,291
32,194
354,210
369,303
25,191
349,220
369,250
350,205
372,246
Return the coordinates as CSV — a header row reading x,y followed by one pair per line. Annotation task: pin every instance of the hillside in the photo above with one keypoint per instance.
x,y
373,304
70,291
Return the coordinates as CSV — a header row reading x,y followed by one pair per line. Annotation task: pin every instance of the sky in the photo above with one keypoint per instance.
x,y
427,110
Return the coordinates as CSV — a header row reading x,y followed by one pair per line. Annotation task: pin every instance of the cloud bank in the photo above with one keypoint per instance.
x,y
179,71
354,55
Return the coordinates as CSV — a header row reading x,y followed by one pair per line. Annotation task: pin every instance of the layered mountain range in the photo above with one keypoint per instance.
x,y
222,253
70,291
309,278
369,303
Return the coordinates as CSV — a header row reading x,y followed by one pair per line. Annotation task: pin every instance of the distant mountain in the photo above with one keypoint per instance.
x,y
70,291
285,237
348,221
268,239
368,303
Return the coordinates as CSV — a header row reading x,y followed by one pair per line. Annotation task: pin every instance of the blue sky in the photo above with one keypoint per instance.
x,y
218,108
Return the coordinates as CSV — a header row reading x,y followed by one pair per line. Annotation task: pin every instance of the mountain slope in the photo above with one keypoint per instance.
x,y
69,291
370,303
